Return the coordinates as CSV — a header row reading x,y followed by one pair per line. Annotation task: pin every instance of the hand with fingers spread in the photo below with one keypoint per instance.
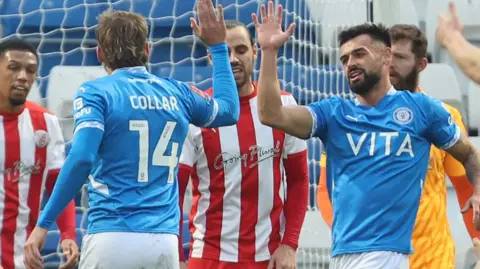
x,y
270,35
448,25
210,28
32,257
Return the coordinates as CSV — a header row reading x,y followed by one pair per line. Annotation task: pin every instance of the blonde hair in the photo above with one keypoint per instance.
x,y
122,36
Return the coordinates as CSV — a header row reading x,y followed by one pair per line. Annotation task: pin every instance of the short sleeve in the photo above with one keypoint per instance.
x,y
451,165
89,108
190,148
202,108
442,131
321,111
56,147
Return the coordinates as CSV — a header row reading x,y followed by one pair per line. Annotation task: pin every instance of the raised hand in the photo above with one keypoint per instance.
x,y
269,32
448,24
210,28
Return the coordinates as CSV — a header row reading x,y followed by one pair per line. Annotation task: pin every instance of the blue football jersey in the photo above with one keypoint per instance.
x,y
377,162
145,121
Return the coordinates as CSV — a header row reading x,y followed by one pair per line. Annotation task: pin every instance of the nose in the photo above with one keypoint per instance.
x,y
22,75
233,59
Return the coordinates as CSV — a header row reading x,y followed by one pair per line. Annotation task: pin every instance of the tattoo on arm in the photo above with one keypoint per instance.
x,y
466,153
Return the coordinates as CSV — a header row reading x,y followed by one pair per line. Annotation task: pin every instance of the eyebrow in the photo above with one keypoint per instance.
x,y
17,62
353,51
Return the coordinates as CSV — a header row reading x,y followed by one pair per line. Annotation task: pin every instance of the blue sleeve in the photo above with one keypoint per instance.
x,y
441,128
73,174
89,108
224,108
321,111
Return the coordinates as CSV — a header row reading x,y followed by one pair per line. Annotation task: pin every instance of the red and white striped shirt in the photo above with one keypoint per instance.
x,y
238,186
31,154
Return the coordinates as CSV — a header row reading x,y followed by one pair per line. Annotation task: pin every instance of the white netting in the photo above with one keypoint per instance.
x,y
63,31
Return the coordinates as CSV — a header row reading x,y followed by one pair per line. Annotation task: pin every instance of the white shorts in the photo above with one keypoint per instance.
x,y
119,250
370,260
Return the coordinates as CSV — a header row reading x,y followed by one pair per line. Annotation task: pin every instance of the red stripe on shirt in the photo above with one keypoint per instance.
x,y
10,181
34,192
214,213
249,187
275,236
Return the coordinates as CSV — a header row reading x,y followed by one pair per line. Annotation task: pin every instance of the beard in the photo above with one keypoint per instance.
x,y
243,77
366,85
409,82
17,101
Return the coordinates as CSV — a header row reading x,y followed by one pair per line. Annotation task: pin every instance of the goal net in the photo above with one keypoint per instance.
x,y
64,33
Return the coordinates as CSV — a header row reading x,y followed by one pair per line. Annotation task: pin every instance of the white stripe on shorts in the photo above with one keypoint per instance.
x,y
370,260
121,250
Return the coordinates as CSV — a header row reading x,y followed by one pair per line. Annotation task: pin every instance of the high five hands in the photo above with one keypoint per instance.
x,y
270,35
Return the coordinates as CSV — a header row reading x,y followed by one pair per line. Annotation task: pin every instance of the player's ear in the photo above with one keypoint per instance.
x,y
148,47
255,51
209,57
422,64
387,56
100,56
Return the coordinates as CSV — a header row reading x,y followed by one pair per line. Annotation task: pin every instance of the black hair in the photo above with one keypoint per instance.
x,y
377,32
18,45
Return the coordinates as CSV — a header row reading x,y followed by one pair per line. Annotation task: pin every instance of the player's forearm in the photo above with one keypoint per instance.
x,y
296,170
73,174
269,100
466,55
66,221
472,167
464,191
224,88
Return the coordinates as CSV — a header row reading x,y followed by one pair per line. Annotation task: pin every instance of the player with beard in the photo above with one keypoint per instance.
x,y
378,144
432,240
31,156
240,198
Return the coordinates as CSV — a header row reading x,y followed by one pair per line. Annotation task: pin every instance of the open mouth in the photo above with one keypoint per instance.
x,y
236,70
355,75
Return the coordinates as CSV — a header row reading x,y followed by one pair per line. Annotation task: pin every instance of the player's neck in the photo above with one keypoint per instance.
x,y
246,89
376,94
9,108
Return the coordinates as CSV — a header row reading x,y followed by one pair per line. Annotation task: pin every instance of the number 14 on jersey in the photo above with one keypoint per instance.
x,y
159,158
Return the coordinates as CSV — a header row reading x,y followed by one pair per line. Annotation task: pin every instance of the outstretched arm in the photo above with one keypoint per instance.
x,y
466,55
225,109
449,35
458,177
444,133
292,119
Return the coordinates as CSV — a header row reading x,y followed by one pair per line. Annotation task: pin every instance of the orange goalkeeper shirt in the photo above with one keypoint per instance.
x,y
432,241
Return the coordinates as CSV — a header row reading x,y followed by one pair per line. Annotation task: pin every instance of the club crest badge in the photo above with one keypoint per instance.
x,y
41,138
403,115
